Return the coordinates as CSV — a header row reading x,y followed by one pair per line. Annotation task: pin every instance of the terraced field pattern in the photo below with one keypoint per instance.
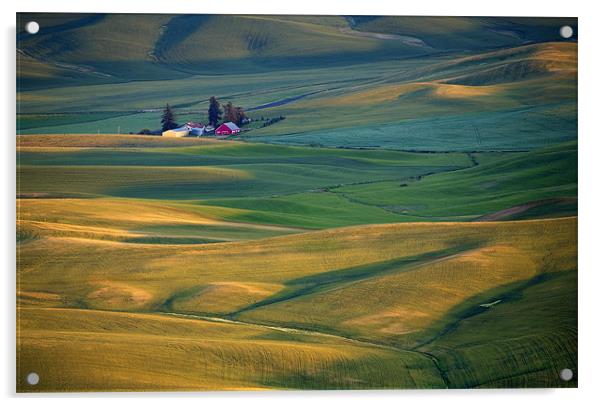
x,y
411,223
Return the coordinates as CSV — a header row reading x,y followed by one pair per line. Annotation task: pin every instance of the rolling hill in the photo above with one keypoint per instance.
x,y
174,353
242,292
198,42
467,194
433,281
465,33
401,212
148,46
482,101
332,186
125,47
494,100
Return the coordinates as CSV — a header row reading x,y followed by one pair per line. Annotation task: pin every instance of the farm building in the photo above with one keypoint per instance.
x,y
176,132
209,130
227,129
195,128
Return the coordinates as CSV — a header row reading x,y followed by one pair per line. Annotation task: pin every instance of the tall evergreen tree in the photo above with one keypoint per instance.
x,y
168,119
215,111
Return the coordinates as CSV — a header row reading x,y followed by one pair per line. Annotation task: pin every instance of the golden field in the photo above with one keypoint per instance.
x,y
99,305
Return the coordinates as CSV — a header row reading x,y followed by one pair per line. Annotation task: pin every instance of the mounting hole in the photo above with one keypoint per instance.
x,y
32,27
566,31
33,378
566,374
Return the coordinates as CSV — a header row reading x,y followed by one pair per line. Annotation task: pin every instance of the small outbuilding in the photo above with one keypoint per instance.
x,y
209,130
195,128
176,132
228,128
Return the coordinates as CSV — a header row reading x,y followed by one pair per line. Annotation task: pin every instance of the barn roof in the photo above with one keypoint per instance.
x,y
231,126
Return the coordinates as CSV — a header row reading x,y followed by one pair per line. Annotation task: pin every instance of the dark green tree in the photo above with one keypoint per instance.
x,y
215,111
168,119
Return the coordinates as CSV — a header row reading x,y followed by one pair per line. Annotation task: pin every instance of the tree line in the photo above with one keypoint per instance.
x,y
235,114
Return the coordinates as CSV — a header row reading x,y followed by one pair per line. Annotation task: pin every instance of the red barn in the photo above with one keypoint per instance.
x,y
227,129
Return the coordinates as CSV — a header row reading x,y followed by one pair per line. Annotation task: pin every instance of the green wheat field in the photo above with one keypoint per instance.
x,y
400,211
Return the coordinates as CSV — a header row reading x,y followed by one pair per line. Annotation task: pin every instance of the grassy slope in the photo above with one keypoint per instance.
x,y
463,304
54,143
155,221
274,42
465,32
498,100
124,47
530,353
433,102
442,266
331,187
453,103
246,180
470,193
114,47
165,45
428,277
431,278
290,258
64,182
247,89
168,353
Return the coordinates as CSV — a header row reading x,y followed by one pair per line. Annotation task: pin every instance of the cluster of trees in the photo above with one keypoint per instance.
x,y
235,114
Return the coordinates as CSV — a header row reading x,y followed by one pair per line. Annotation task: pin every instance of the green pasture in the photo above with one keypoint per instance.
x,y
188,173
508,130
312,187
517,99
489,187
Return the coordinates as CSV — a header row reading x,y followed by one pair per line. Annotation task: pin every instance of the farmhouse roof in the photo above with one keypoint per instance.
x,y
195,125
